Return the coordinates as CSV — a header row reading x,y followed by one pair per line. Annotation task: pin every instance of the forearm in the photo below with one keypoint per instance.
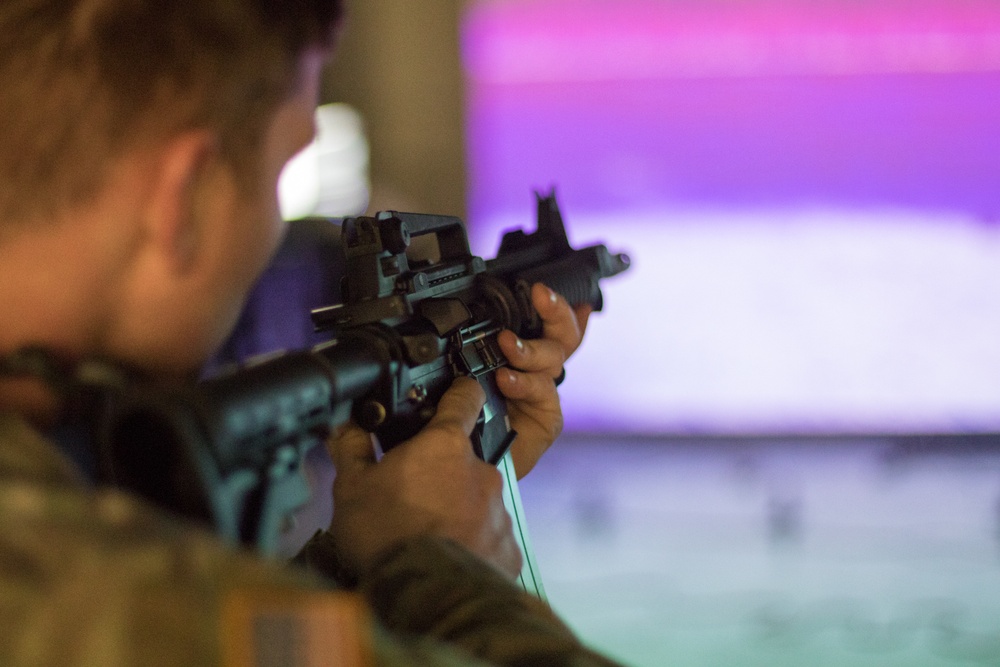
x,y
434,588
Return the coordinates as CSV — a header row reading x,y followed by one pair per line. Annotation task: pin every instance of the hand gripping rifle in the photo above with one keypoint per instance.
x,y
230,450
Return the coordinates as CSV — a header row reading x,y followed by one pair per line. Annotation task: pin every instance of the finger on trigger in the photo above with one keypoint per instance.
x,y
351,449
460,405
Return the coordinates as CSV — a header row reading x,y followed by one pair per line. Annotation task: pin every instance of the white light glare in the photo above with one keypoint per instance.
x,y
329,177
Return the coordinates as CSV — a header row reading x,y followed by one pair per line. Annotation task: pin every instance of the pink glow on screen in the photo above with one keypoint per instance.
x,y
810,192
559,41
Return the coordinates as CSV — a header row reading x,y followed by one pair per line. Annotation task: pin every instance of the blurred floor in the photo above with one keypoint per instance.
x,y
798,552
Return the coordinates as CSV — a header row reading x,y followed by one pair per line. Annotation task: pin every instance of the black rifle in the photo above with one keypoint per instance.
x,y
229,451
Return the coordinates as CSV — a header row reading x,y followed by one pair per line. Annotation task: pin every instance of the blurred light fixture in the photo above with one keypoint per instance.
x,y
329,177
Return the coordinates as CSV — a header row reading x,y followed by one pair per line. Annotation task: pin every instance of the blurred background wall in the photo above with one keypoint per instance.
x,y
781,442
399,65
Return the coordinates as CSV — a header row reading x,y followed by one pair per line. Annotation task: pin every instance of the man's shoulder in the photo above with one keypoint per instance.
x,y
98,570
48,508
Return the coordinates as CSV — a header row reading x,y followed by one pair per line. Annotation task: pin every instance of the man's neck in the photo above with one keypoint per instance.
x,y
54,286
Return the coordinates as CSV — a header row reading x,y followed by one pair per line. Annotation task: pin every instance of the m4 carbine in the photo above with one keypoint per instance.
x,y
229,451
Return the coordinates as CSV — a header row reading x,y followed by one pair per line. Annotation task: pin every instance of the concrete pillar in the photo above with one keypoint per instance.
x,y
398,64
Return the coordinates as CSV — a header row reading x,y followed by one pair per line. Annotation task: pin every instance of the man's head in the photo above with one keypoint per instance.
x,y
141,146
82,81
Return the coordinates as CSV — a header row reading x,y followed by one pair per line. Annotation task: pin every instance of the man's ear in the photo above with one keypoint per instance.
x,y
171,220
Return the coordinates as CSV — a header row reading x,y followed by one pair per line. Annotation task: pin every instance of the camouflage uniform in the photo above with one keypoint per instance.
x,y
98,577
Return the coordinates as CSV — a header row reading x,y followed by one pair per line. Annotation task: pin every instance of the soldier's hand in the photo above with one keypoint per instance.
x,y
430,484
529,383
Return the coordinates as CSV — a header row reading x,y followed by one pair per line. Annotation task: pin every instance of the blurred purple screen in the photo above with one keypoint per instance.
x,y
810,193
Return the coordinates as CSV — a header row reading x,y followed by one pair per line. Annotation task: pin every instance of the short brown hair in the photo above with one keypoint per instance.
x,y
81,81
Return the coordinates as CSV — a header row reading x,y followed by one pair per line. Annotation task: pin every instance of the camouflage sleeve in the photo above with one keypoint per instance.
x,y
320,556
434,588
99,577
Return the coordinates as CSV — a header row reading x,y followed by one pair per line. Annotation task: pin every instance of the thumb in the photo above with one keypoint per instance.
x,y
351,449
